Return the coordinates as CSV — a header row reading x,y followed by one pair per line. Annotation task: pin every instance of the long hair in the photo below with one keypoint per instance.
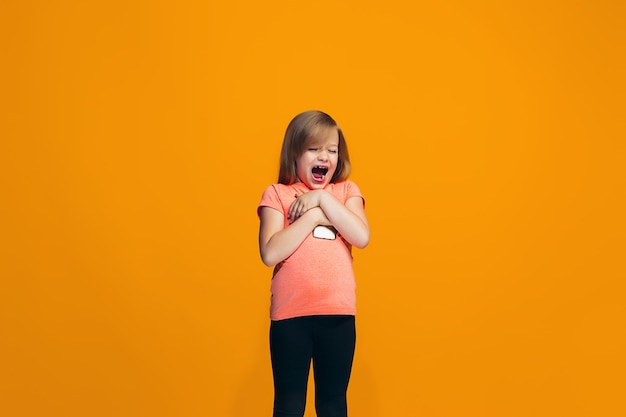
x,y
300,132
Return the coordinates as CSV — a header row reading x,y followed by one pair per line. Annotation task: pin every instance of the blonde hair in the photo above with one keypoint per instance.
x,y
300,132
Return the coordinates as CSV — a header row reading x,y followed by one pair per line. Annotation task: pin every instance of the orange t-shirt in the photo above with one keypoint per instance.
x,y
317,279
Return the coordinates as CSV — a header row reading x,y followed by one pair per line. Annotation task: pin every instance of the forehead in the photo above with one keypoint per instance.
x,y
323,135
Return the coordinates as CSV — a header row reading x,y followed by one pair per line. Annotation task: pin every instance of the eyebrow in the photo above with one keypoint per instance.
x,y
321,146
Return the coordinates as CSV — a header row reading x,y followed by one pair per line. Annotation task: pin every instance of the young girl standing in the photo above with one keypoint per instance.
x,y
309,222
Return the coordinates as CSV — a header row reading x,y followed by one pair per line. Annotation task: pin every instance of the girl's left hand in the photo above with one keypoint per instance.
x,y
304,203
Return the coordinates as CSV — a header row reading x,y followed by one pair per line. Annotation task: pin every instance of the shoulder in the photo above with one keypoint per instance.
x,y
346,189
275,194
279,189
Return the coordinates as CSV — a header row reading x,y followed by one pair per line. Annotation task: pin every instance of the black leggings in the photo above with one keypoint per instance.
x,y
329,341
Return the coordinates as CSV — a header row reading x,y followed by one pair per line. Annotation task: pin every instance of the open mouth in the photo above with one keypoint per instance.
x,y
319,173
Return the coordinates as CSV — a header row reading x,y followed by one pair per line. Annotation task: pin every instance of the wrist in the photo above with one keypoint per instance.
x,y
320,218
321,197
316,216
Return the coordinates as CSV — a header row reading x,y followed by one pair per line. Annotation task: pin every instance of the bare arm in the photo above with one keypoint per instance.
x,y
349,219
277,242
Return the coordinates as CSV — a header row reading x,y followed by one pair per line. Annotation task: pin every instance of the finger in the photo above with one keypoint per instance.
x,y
294,211
291,211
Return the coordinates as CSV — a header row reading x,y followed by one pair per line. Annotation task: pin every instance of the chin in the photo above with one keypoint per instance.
x,y
317,185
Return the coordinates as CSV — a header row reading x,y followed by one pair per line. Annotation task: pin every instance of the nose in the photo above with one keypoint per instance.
x,y
323,155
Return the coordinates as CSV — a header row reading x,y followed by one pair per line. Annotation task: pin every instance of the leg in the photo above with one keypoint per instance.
x,y
333,352
291,348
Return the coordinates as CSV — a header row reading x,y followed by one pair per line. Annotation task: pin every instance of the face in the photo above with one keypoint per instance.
x,y
317,164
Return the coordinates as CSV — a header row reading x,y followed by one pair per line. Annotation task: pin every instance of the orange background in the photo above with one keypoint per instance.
x,y
488,139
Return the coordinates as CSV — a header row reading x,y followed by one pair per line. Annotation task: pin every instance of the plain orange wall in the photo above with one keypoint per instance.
x,y
488,138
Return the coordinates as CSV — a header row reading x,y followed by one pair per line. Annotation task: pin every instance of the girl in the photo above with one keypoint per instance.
x,y
309,222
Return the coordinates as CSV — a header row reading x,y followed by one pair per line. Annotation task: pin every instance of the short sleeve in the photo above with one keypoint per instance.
x,y
270,198
352,190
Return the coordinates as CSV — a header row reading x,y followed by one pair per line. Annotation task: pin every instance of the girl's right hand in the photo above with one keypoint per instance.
x,y
303,203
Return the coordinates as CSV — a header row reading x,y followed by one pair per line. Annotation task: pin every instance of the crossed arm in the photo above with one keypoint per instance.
x,y
309,210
